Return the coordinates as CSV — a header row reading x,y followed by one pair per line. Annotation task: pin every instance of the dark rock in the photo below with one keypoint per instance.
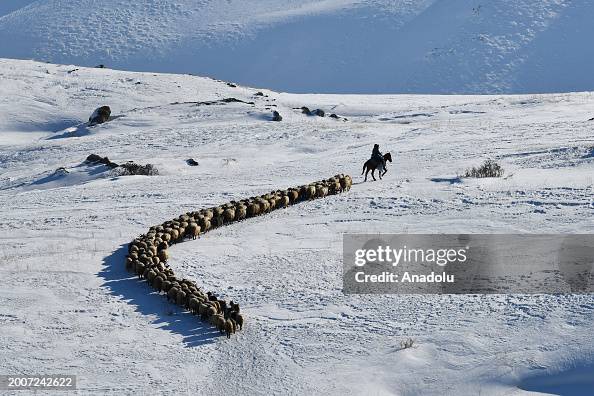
x,y
61,171
100,67
318,112
192,162
305,110
333,115
232,85
231,100
259,93
276,116
100,115
130,168
96,159
591,119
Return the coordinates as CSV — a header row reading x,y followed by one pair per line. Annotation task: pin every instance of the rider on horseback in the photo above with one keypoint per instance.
x,y
377,155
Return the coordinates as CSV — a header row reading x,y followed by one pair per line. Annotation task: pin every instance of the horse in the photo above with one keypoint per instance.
x,y
373,164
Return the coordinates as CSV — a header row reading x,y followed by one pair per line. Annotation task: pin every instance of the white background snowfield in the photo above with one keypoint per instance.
x,y
68,306
339,46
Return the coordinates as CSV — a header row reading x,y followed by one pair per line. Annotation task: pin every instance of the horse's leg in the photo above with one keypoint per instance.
x,y
373,174
366,174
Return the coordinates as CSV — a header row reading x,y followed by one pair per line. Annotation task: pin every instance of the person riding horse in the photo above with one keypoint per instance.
x,y
377,155
376,162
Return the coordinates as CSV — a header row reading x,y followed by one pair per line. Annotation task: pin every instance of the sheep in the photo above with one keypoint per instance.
x,y
158,283
284,201
162,246
229,328
213,320
264,205
253,209
229,215
207,213
293,194
150,276
240,212
180,298
217,221
202,309
210,312
321,191
346,182
164,255
238,318
194,304
311,192
139,269
148,254
193,230
174,234
172,294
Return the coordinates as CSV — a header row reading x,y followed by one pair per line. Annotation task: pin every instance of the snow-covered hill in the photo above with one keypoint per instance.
x,y
374,46
68,306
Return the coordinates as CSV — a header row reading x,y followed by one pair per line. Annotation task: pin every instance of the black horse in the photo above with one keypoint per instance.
x,y
373,164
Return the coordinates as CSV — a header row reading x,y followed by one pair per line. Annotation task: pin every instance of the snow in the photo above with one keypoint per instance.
x,y
332,46
68,305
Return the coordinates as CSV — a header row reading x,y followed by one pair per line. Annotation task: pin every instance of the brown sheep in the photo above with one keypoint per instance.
x,y
311,192
229,215
210,311
229,327
158,283
194,304
240,212
238,318
346,182
150,277
193,230
203,310
139,269
218,211
284,201
172,294
217,221
321,191
180,298
264,205
164,255
253,209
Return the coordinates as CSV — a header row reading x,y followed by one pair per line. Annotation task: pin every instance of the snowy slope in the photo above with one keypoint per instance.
x,y
346,46
68,306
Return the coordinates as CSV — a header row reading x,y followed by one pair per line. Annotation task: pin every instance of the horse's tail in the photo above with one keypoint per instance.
x,y
364,166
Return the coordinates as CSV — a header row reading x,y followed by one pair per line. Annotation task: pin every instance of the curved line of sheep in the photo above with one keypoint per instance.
x,y
148,254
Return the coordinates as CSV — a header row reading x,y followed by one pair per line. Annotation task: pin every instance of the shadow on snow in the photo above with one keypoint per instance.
x,y
137,292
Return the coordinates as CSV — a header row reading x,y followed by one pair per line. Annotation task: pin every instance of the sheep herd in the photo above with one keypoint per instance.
x,y
148,254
